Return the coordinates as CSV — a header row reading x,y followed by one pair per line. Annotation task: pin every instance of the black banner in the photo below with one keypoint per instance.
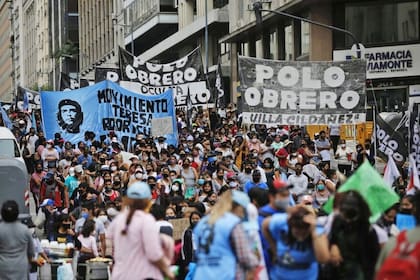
x,y
302,92
34,99
185,76
414,129
68,83
389,142
111,74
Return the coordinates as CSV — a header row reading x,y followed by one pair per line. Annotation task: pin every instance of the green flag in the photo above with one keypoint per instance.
x,y
370,184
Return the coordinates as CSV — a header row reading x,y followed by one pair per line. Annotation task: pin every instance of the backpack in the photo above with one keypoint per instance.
x,y
403,262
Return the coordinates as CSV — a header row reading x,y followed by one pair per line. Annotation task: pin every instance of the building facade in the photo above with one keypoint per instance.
x,y
384,28
96,35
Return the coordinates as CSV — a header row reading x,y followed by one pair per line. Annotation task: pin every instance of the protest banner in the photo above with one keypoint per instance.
x,y
180,225
185,76
103,107
302,92
110,74
389,142
34,101
414,132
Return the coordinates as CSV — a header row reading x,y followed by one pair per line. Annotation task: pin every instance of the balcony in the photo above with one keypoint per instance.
x,y
146,18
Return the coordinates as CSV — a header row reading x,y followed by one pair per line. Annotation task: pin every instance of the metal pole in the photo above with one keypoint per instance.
x,y
132,38
206,37
131,30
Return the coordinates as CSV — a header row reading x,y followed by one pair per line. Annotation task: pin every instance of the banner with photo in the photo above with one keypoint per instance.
x,y
106,106
185,75
414,132
389,141
302,92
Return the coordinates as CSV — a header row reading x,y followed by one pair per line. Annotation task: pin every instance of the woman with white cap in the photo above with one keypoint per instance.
x,y
137,249
222,247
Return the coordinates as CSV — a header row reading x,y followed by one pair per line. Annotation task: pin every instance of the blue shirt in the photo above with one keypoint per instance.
x,y
88,159
251,184
294,261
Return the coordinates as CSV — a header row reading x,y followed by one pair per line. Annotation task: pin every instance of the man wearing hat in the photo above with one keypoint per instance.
x,y
161,144
282,155
280,199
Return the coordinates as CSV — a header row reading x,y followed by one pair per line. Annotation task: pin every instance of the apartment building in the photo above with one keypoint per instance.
x,y
96,35
6,52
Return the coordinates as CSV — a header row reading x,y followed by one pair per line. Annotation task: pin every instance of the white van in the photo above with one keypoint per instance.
x,y
9,147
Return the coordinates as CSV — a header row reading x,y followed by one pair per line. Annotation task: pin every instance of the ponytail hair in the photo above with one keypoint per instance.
x,y
133,205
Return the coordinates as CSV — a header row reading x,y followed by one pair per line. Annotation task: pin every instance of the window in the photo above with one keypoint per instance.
x,y
389,100
304,37
378,22
274,49
288,42
8,149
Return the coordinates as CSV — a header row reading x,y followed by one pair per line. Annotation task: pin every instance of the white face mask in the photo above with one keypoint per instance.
x,y
113,168
343,146
139,176
49,146
175,188
103,218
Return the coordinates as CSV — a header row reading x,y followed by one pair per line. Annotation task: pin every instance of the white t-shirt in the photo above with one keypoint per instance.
x,y
300,183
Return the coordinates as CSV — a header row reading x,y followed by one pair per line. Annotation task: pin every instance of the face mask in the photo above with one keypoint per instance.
x,y
267,165
281,204
139,176
117,183
113,168
220,177
166,175
193,224
405,211
68,158
39,170
255,155
254,141
145,158
170,217
103,218
148,170
102,160
212,202
49,146
85,215
175,188
248,170
343,146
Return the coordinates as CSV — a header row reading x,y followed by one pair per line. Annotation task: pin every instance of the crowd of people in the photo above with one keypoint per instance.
x,y
254,197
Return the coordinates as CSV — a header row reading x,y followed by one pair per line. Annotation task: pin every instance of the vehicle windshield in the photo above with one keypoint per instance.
x,y
8,149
